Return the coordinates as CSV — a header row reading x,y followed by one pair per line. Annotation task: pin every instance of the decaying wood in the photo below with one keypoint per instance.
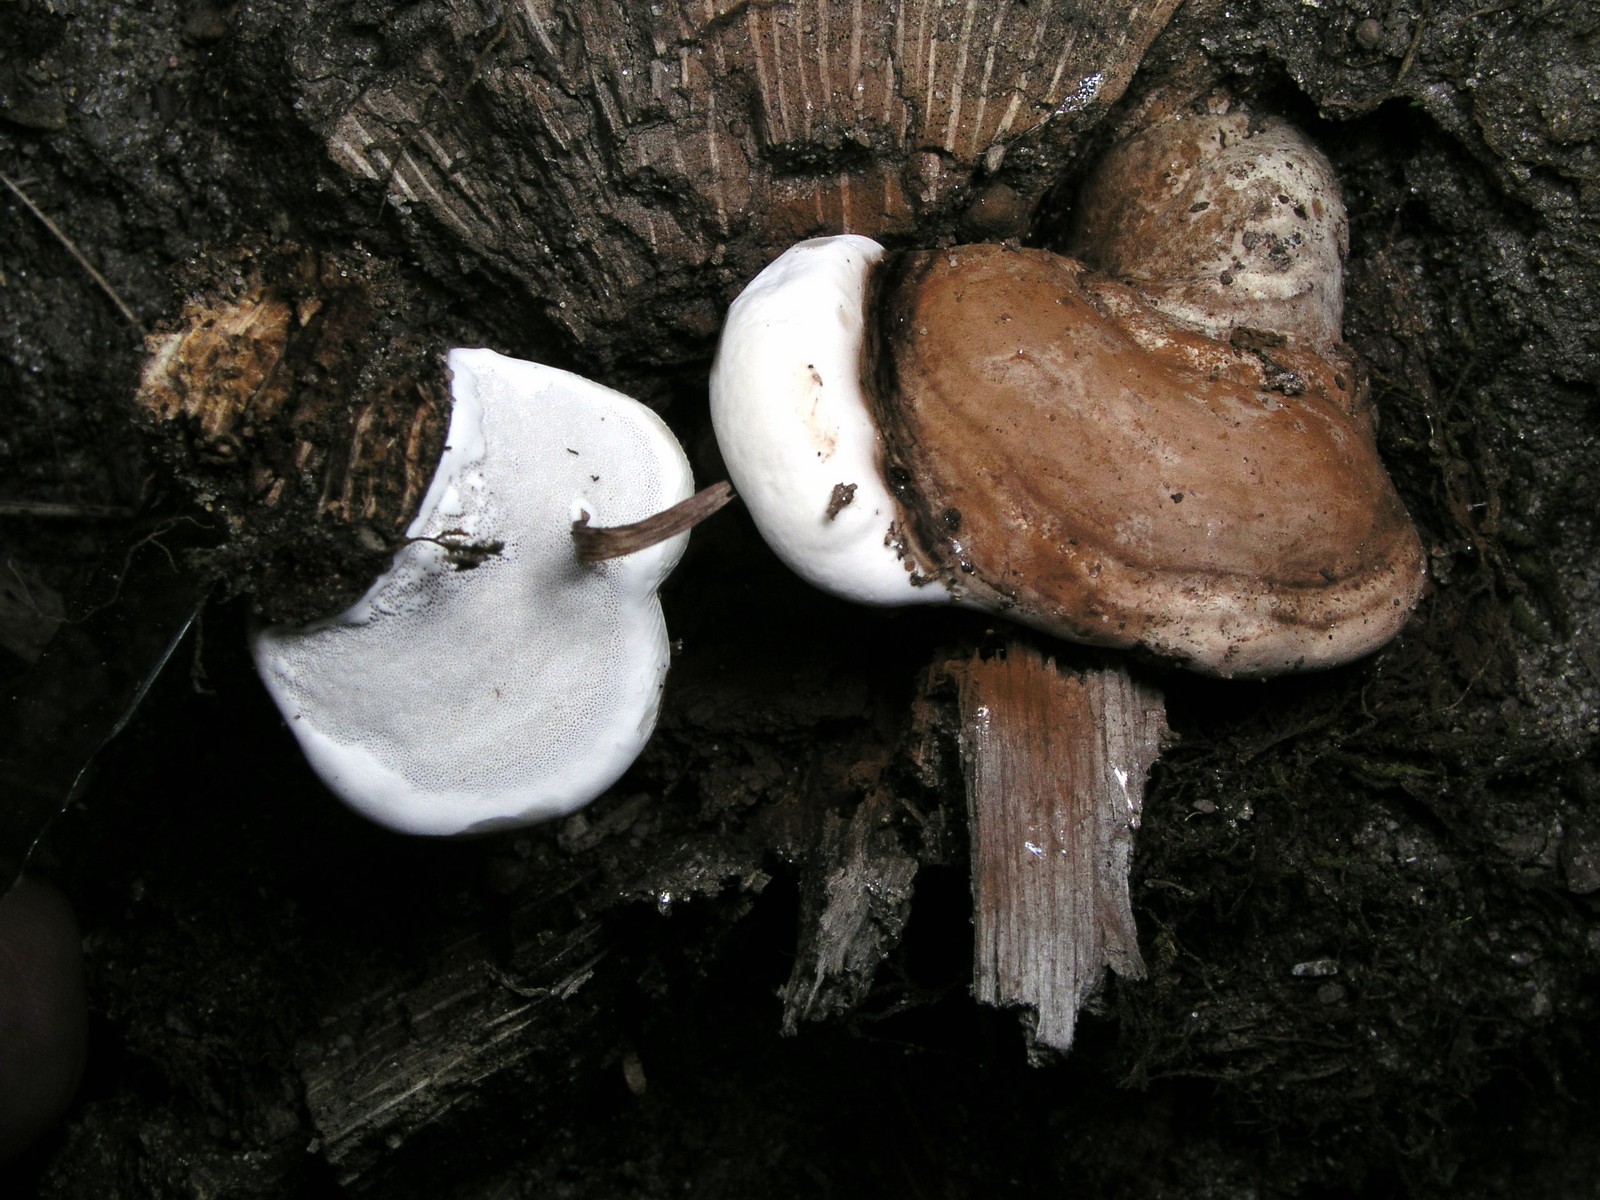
x,y
1055,765
401,1082
1468,130
430,1056
625,169
290,400
609,156
855,903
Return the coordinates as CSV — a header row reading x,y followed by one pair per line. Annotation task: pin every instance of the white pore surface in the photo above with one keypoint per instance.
x,y
449,701
793,424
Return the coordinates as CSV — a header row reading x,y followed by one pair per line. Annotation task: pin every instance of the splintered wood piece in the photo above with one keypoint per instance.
x,y
855,899
1055,767
427,1059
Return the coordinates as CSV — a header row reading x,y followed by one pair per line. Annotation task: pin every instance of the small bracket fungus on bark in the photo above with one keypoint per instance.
x,y
1162,444
490,678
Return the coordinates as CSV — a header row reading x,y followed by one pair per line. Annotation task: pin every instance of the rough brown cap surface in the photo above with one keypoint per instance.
x,y
1121,479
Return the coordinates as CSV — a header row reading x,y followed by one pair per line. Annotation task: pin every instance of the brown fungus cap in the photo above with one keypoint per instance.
x,y
1065,452
1223,220
1160,443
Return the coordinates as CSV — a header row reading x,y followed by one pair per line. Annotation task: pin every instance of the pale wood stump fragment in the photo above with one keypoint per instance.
x,y
1055,765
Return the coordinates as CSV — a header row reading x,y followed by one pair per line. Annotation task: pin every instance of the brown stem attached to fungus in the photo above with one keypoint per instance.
x,y
598,543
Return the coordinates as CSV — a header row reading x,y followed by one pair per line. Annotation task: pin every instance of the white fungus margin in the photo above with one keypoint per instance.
x,y
795,428
451,701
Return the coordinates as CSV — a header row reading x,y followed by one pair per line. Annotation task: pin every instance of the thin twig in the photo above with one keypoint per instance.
x,y
1416,41
73,250
600,543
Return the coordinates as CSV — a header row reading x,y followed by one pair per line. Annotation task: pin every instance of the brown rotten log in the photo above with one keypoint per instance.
x,y
301,412
614,159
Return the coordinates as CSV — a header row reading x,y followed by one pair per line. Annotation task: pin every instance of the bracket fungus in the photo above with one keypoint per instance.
x,y
1161,443
490,678
1184,463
